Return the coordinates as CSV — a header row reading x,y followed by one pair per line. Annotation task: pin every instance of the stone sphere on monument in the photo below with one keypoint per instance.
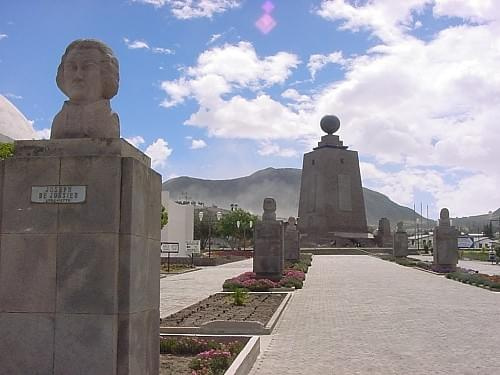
x,y
330,124
89,76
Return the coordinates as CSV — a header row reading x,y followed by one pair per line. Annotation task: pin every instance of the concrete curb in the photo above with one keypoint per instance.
x,y
244,362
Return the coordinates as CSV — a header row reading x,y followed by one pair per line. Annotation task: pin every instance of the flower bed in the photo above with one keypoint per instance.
x,y
407,262
479,279
198,356
257,307
293,277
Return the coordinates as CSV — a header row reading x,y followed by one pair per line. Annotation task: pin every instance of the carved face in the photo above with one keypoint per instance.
x,y
82,75
269,204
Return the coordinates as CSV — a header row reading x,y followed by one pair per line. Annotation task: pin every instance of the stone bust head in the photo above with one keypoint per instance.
x,y
88,71
89,76
444,217
269,206
400,227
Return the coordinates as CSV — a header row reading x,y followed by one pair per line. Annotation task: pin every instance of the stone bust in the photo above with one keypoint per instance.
x,y
444,218
400,227
269,206
89,76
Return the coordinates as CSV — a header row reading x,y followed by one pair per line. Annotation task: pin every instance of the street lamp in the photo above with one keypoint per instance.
x,y
210,222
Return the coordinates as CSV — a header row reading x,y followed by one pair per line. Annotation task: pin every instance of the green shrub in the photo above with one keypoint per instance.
x,y
475,255
185,345
6,150
239,296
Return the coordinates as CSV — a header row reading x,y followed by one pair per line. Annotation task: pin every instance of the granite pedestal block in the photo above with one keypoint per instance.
x,y
445,244
400,246
445,249
268,258
292,250
384,237
79,282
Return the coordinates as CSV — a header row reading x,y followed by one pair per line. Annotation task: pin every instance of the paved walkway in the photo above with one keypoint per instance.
x,y
362,315
483,267
180,291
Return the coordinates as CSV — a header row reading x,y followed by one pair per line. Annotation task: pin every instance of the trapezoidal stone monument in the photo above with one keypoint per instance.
x,y
80,237
331,204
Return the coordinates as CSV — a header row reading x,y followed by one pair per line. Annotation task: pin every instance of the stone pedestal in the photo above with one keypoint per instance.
x,y
268,257
384,237
400,247
445,245
292,249
79,281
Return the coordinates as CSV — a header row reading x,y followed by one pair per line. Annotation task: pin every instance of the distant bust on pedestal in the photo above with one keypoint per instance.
x,y
89,76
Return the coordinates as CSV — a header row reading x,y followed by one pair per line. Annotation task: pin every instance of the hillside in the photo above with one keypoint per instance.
x,y
282,184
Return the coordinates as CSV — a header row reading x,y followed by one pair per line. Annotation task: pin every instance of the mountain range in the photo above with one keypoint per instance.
x,y
283,184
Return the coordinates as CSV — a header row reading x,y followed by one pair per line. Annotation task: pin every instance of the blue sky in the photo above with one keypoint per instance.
x,y
207,94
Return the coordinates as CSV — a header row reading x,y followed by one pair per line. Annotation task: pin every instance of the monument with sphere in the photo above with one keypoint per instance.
x,y
80,232
331,203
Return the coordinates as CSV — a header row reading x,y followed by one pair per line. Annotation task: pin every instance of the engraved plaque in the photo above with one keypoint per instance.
x,y
58,194
345,203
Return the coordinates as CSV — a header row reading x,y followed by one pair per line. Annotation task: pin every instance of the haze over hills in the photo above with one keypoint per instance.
x,y
284,185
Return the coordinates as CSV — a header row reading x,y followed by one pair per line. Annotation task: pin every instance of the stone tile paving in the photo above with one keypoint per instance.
x,y
483,267
180,291
362,315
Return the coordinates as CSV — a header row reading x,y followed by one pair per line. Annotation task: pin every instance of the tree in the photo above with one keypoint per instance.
x,y
229,229
6,150
164,216
202,228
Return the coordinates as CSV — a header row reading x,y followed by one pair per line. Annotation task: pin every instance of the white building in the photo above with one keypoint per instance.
x,y
180,227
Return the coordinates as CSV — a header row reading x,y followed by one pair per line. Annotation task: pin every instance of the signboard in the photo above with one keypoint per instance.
x,y
58,194
169,247
465,242
193,247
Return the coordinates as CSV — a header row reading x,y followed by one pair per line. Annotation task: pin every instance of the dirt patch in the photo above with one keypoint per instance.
x,y
175,364
259,307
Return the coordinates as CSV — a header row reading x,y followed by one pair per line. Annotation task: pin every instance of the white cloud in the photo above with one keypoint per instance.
x,y
269,148
159,152
164,51
135,44
42,134
141,44
473,10
213,38
12,96
187,9
317,61
215,83
136,140
387,19
3,36
197,144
